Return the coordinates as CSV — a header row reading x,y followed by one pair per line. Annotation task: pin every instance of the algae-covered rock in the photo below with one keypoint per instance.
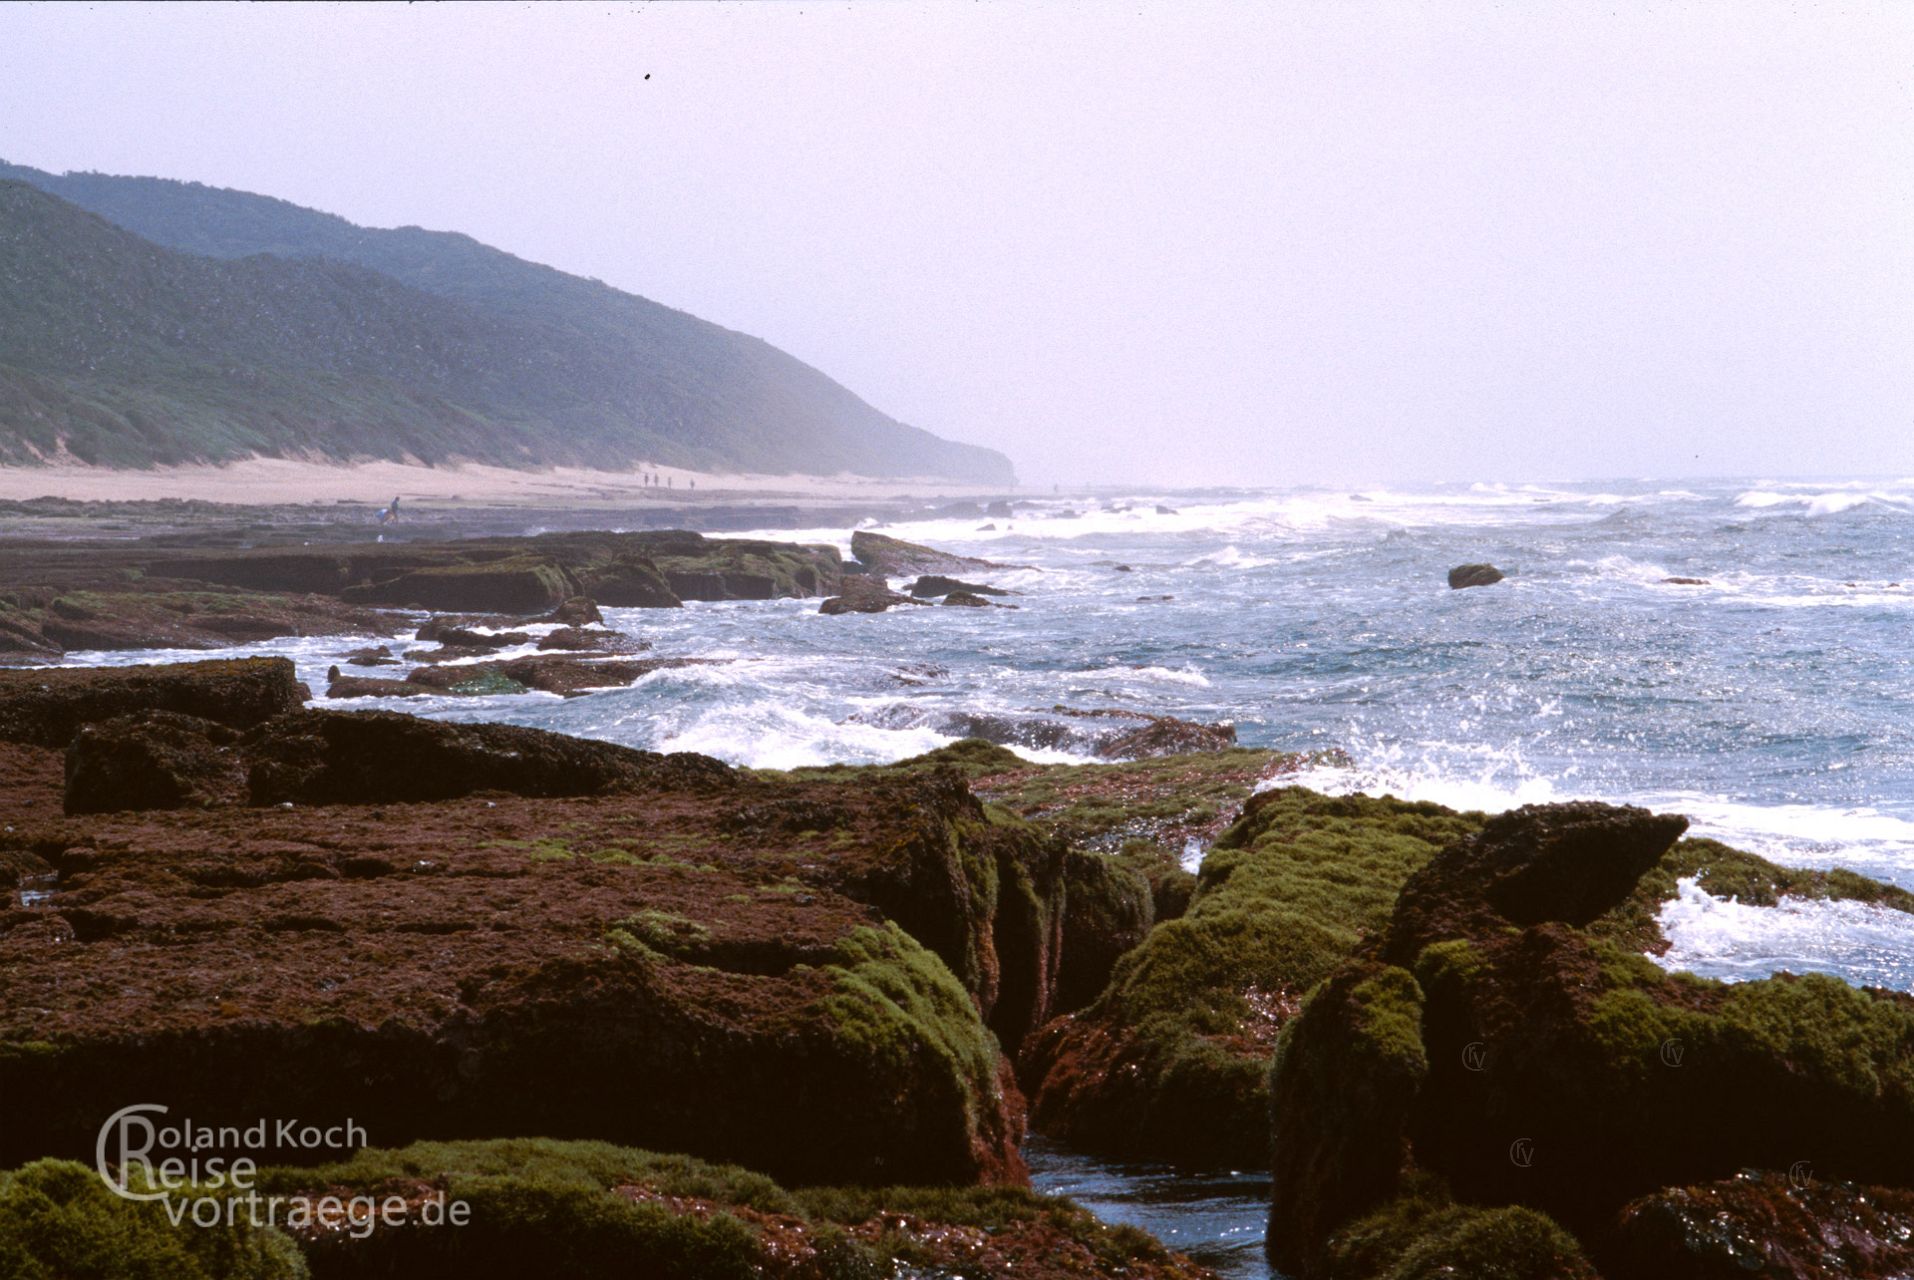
x,y
597,1211
1565,1072
517,584
864,595
692,959
153,760
47,706
58,1221
893,557
1172,1059
1425,1235
1473,575
380,757
1779,1226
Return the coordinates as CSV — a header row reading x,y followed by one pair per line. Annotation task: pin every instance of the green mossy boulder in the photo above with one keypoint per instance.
x,y
58,1221
1172,1060
1564,1071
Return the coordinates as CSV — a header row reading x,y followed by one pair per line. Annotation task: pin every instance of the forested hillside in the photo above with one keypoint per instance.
x,y
146,321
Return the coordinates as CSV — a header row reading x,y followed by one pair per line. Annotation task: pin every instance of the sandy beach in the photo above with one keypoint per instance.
x,y
279,481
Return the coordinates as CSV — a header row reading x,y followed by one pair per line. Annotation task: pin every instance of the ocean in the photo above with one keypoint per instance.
x,y
1770,702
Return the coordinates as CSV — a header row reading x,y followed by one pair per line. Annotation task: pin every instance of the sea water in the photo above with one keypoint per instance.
x,y
1770,704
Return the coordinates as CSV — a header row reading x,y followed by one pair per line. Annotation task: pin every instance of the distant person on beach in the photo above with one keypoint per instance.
x,y
390,515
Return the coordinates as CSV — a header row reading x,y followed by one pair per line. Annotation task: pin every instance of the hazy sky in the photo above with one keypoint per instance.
x,y
1236,243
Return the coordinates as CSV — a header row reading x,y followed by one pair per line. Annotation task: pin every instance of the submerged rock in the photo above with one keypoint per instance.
x,y
966,600
1473,575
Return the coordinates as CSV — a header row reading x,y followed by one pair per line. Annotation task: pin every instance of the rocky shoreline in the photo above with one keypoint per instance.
x,y
588,988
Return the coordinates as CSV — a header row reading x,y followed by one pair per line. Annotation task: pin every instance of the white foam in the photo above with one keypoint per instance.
x,y
1500,782
1159,675
1722,938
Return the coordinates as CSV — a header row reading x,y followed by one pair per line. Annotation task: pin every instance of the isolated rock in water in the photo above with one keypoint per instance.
x,y
897,558
375,656
864,595
1770,1225
153,760
931,584
592,640
47,706
1165,511
547,673
1692,582
1153,599
1110,733
967,600
376,757
579,611
466,638
339,685
1473,575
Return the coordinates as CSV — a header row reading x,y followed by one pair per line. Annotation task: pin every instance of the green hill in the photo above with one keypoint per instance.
x,y
146,321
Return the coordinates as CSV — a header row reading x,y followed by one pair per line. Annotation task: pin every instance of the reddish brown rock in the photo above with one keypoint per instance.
x,y
47,706
153,760
1769,1226
698,965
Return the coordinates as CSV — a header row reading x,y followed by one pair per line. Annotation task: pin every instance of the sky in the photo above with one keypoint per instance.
x,y
1166,243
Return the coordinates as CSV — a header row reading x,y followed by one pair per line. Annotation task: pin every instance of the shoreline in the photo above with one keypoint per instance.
x,y
266,482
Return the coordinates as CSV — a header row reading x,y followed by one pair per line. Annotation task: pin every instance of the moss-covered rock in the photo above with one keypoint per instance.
x,y
58,1221
596,1211
515,584
1565,1072
1172,1060
1424,1235
799,975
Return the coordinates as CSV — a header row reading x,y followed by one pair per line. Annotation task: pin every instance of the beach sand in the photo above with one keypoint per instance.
x,y
278,481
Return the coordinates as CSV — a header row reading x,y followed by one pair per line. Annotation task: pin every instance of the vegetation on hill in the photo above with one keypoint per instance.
x,y
145,321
